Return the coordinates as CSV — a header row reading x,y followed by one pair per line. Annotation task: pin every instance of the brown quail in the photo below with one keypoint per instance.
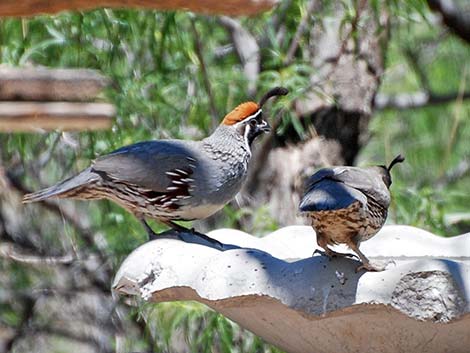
x,y
172,180
348,205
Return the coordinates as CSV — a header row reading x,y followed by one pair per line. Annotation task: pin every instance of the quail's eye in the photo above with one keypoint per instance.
x,y
253,123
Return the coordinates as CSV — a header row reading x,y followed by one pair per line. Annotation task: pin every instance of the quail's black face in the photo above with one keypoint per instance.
x,y
386,177
256,126
247,118
253,127
385,171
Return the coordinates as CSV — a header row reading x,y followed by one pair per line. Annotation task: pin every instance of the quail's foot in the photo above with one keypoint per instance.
x,y
192,231
217,243
331,253
367,266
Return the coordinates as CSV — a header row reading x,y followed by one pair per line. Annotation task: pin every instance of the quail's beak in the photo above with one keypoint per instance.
x,y
264,126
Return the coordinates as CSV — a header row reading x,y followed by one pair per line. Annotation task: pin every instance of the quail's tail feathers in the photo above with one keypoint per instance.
x,y
66,188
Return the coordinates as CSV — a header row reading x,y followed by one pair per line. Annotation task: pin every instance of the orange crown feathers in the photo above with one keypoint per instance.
x,y
240,113
247,109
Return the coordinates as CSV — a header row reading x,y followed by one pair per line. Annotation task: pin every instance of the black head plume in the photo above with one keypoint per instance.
x,y
276,91
397,159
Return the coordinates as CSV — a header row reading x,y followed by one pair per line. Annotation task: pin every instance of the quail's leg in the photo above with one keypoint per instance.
x,y
366,265
194,232
152,235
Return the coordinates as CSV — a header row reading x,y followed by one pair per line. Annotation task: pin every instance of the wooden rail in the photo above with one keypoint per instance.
x,y
44,84
42,99
66,116
226,7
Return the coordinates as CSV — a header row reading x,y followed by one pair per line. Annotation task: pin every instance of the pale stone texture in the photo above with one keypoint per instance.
x,y
275,288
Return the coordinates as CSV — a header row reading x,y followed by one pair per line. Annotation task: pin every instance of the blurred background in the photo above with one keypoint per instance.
x,y
368,80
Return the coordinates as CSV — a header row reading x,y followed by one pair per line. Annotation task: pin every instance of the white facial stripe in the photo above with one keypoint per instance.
x,y
258,112
254,115
247,131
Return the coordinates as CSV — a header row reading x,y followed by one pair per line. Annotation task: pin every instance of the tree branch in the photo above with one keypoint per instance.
x,y
360,8
95,268
453,17
247,49
73,336
87,236
205,75
415,100
413,60
11,251
70,217
276,22
299,32
280,15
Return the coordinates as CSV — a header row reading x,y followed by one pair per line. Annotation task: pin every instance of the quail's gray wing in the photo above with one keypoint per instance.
x,y
328,194
149,165
366,180
320,175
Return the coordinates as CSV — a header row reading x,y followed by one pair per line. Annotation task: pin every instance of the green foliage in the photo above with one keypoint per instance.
x,y
203,330
159,92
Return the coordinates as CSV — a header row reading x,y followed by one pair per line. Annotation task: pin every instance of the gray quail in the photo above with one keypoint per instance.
x,y
348,205
171,180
